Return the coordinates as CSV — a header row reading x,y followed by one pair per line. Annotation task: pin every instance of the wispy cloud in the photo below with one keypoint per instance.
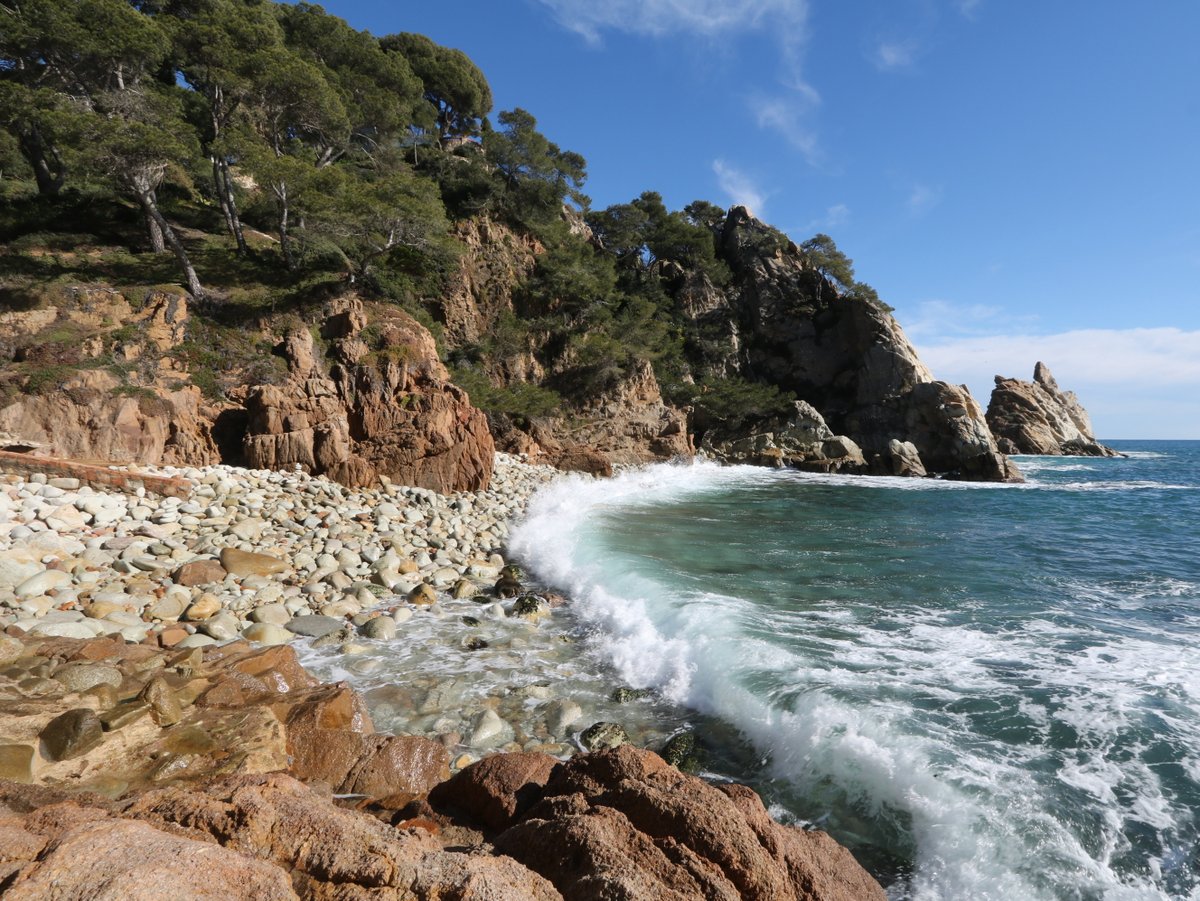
x,y
923,197
788,115
838,214
783,107
661,17
1137,356
739,187
890,55
968,7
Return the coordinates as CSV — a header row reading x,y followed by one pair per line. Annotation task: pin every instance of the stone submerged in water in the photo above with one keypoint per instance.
x,y
602,735
71,734
682,752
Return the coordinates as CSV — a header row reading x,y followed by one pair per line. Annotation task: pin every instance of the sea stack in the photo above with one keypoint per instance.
x,y
1040,418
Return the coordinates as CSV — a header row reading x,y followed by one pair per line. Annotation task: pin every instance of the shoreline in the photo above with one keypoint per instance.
x,y
137,725
393,588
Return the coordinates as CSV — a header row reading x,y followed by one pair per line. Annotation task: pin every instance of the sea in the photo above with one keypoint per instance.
x,y
984,691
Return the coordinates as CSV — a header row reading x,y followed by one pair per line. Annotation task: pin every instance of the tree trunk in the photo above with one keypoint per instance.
x,y
48,168
155,232
150,208
285,241
224,188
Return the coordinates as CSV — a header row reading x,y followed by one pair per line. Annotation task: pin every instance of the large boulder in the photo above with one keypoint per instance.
x,y
1038,417
624,824
799,441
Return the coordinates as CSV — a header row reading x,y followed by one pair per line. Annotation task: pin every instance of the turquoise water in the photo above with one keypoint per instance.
x,y
985,691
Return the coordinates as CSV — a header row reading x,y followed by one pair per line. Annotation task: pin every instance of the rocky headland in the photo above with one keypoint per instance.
x,y
161,735
1038,417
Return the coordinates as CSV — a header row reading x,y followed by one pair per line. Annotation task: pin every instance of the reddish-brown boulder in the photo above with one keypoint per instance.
x,y
199,572
101,858
624,824
496,790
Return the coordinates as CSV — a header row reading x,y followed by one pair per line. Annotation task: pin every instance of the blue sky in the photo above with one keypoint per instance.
x,y
1021,181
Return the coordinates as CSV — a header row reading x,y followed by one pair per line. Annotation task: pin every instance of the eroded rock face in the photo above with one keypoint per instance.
x,y
95,417
384,407
783,322
1038,417
628,424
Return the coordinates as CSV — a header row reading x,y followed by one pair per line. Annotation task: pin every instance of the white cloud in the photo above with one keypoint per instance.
x,y
659,17
1120,375
923,197
890,55
1139,356
739,187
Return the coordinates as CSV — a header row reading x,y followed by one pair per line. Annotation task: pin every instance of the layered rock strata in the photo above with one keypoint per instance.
x,y
1038,417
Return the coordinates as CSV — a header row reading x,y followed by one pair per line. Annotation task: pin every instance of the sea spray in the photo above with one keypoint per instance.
x,y
988,692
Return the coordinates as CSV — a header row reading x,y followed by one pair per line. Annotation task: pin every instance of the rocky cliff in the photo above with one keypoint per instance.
x,y
384,407
1038,417
781,322
77,402
351,392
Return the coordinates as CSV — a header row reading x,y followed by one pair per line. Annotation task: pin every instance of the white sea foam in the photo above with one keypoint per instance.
x,y
987,816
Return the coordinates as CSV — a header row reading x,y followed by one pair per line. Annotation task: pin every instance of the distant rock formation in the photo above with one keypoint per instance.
x,y
783,323
1040,418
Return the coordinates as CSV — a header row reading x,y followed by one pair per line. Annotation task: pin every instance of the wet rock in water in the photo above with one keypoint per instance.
x,y
82,676
490,731
531,607
333,639
482,599
314,626
625,695
474,643
507,587
682,752
71,734
602,735
560,715
423,595
463,588
513,572
380,628
470,621
165,708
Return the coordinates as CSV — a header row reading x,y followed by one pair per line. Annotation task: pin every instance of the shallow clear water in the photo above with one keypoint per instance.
x,y
986,691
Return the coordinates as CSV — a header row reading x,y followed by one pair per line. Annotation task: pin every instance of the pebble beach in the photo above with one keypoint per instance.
x,y
403,592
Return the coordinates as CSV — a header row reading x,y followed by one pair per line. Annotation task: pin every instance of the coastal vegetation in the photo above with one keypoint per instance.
x,y
267,156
